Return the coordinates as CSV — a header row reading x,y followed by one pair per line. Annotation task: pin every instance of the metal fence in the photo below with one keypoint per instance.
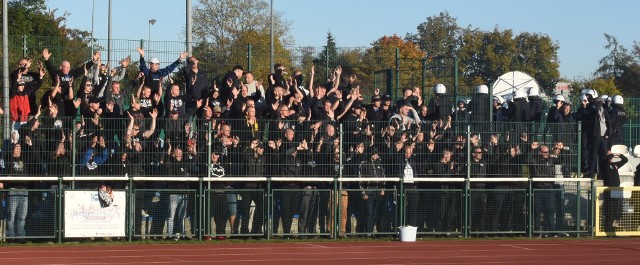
x,y
195,179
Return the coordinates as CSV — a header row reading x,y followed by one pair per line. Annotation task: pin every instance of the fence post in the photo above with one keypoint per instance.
x,y
24,46
592,214
401,202
249,57
59,216
326,62
200,211
338,190
132,211
73,156
397,87
578,186
530,211
455,92
204,219
142,43
467,187
424,77
269,221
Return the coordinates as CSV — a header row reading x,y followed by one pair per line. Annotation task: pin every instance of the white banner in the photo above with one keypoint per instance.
x,y
85,217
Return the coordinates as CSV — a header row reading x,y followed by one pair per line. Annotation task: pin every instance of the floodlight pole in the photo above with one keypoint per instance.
x,y
271,60
108,37
189,28
5,70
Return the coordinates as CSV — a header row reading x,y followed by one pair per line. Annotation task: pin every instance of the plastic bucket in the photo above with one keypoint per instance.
x,y
408,233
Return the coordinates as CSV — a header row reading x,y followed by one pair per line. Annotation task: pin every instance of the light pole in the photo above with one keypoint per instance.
x,y
271,60
151,22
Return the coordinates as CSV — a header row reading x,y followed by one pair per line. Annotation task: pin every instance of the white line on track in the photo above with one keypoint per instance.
x,y
320,246
513,246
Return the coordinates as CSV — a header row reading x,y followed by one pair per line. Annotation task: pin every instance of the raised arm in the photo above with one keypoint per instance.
x,y
336,83
313,74
120,71
152,128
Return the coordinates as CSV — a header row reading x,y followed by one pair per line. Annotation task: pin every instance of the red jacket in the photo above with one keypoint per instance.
x,y
19,108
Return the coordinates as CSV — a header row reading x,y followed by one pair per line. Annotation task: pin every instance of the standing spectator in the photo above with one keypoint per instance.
x,y
255,89
373,192
408,168
479,108
611,177
153,74
618,117
178,200
446,207
290,168
439,106
64,77
535,108
543,166
598,130
196,81
405,118
479,193
218,197
32,81
18,199
230,80
23,86
276,79
255,167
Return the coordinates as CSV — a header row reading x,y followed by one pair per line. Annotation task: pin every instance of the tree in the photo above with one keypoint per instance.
x,y
327,58
613,64
382,55
220,25
260,57
484,56
439,36
43,28
622,66
603,85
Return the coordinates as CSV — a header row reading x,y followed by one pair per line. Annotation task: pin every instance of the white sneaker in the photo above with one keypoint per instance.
x,y
616,224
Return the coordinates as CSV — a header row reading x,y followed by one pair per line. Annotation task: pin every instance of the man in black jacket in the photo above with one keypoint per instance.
x,y
598,131
65,75
373,192
196,81
254,162
178,200
611,177
543,165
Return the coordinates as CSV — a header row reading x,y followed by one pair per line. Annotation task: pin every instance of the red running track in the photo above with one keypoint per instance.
x,y
549,251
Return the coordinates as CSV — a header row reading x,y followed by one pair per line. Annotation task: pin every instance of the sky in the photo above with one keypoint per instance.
x,y
578,26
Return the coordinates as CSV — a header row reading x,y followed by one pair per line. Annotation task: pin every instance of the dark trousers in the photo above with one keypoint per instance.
x,y
374,205
502,203
288,206
478,207
446,209
244,209
597,152
413,206
308,210
544,209
220,211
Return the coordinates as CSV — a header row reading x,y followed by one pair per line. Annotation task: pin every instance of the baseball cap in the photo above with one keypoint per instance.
x,y
217,109
376,98
386,97
154,60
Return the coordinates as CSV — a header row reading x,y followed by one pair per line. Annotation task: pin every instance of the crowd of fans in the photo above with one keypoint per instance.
x,y
161,127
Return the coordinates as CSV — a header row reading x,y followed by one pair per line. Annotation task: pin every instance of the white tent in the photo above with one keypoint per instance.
x,y
507,84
